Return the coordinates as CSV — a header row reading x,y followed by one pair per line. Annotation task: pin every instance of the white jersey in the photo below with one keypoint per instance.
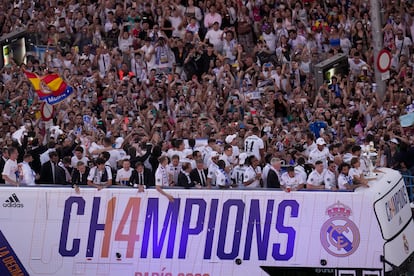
x,y
315,178
317,155
355,172
291,182
252,146
250,174
330,180
300,170
161,176
123,176
212,173
10,169
344,180
28,175
238,175
309,149
221,179
74,161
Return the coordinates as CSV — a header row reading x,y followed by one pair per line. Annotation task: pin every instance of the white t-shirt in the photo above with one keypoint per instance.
x,y
252,145
315,178
221,179
238,175
322,155
250,174
161,177
330,180
29,176
344,180
212,173
10,169
355,172
291,182
215,38
74,161
123,176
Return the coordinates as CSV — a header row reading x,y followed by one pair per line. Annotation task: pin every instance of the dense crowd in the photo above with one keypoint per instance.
x,y
165,90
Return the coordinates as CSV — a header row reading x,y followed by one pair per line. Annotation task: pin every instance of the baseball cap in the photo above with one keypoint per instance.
x,y
320,141
230,138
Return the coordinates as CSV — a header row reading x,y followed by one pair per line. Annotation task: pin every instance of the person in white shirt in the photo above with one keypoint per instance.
x,y
232,140
222,177
78,156
309,145
316,177
10,171
253,144
161,177
148,52
321,153
300,168
330,177
212,168
100,176
227,157
103,60
27,175
124,174
345,181
356,172
237,175
215,37
291,181
253,173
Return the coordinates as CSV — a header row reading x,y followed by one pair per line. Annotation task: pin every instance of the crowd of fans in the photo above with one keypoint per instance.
x,y
209,84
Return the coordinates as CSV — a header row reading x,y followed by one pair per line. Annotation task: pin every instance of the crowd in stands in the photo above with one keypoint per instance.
x,y
214,93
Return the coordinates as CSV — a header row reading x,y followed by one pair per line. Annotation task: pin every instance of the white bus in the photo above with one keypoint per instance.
x,y
54,231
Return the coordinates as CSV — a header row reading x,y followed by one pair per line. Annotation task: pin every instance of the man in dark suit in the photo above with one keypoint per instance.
x,y
51,172
199,175
80,174
184,179
273,177
141,177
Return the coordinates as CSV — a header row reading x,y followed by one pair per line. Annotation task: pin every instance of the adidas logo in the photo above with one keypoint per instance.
x,y
13,202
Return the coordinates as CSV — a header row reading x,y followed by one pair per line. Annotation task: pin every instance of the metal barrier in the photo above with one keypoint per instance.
x,y
409,182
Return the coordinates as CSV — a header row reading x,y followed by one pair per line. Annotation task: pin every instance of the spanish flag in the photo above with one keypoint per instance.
x,y
35,81
56,84
50,87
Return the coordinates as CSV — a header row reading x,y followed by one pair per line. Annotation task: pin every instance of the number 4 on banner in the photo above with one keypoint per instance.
x,y
131,212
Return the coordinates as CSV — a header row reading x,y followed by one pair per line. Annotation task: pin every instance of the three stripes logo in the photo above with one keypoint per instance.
x,y
13,202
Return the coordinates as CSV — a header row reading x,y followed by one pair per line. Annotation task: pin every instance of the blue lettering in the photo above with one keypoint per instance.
x,y
151,219
210,229
63,251
94,226
187,230
254,222
239,204
290,231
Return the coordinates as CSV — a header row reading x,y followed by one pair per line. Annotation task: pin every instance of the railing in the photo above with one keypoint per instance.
x,y
409,182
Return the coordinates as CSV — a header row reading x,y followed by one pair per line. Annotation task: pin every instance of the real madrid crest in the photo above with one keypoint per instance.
x,y
339,235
